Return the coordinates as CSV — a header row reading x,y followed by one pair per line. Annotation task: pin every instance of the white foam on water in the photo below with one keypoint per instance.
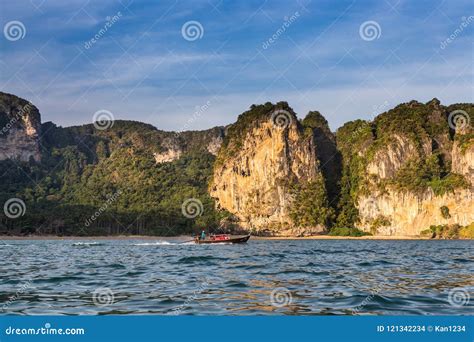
x,y
86,244
187,243
156,243
164,243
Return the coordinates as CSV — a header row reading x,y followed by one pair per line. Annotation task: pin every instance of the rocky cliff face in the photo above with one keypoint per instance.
x,y
173,145
463,158
171,150
420,176
394,155
266,153
19,129
405,213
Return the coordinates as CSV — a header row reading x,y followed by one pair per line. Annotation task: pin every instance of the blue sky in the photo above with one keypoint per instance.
x,y
142,68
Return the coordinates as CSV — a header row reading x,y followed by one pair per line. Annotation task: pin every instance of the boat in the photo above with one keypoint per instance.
x,y
223,238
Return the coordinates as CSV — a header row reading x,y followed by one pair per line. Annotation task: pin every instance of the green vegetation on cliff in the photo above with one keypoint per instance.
x,y
352,139
311,207
413,120
417,175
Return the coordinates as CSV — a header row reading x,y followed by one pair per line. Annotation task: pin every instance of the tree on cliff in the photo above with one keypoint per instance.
x,y
310,205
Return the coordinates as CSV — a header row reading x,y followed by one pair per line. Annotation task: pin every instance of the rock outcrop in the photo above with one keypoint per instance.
x,y
215,144
266,153
405,213
174,145
388,160
463,159
419,176
20,123
172,151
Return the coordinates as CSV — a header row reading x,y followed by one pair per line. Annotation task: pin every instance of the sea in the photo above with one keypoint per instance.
x,y
261,277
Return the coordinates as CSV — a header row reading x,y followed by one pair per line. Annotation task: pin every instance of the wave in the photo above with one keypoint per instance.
x,y
199,259
375,263
82,243
463,260
325,251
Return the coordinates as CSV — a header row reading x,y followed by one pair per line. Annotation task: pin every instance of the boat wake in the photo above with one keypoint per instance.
x,y
87,244
156,243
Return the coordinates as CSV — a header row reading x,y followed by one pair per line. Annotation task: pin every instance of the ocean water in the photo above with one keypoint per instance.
x,y
285,277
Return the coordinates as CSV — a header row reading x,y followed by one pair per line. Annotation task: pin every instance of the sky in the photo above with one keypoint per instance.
x,y
183,65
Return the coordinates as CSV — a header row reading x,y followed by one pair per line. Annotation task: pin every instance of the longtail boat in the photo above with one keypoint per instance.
x,y
223,238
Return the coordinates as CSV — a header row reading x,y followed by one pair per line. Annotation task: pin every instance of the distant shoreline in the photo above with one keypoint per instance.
x,y
185,237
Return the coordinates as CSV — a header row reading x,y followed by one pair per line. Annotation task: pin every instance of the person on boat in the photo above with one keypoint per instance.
x,y
203,235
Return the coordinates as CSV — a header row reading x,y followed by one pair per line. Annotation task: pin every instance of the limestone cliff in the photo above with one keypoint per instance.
x,y
171,151
19,129
388,160
463,155
173,145
417,170
266,153
404,213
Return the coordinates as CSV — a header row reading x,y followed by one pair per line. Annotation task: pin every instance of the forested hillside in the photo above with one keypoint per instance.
x,y
112,172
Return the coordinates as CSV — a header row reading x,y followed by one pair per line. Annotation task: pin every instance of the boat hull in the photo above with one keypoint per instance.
x,y
240,239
